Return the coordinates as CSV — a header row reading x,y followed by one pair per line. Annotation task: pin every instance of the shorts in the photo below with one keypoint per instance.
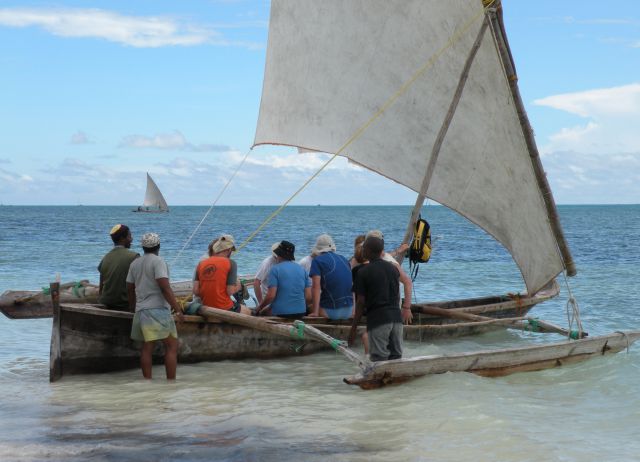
x,y
385,341
193,307
153,324
339,313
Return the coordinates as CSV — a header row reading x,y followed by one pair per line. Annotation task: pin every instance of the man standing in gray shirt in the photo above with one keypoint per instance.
x,y
152,299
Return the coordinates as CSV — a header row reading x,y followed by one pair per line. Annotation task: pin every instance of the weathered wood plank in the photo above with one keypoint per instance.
x,y
494,362
55,350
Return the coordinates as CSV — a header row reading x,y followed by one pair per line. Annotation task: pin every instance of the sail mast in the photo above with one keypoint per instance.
x,y
497,26
435,151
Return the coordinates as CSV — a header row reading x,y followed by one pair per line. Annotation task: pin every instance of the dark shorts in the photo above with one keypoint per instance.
x,y
385,341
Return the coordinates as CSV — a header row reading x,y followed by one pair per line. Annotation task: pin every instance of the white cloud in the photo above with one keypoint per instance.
x,y
80,137
613,118
589,178
603,21
135,31
262,180
12,182
615,101
175,141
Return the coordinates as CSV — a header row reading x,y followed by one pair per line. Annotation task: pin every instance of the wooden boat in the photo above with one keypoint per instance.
x,y
424,93
494,363
31,304
87,338
154,201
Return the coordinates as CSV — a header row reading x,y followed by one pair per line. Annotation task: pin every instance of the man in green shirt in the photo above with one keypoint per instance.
x,y
114,268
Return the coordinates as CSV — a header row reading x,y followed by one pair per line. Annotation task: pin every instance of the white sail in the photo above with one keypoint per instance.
x,y
153,198
333,64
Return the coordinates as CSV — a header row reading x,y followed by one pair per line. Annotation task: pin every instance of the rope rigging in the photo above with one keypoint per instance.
x,y
358,133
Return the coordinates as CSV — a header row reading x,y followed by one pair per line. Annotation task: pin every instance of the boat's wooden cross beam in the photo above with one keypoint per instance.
x,y
521,323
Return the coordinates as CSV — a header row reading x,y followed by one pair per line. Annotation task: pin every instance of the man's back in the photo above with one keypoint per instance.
x,y
378,282
214,275
143,273
113,269
291,280
335,278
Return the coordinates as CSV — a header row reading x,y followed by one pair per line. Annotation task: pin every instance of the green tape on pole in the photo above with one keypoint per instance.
x,y
533,323
45,290
574,334
76,289
335,343
298,331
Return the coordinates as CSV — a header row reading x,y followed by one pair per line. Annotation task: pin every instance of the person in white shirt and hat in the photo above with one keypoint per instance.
x,y
261,278
152,299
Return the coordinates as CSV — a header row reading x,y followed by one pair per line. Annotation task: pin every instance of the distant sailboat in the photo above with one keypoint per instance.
x,y
154,201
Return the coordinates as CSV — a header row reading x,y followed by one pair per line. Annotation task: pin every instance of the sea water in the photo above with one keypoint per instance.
x,y
298,408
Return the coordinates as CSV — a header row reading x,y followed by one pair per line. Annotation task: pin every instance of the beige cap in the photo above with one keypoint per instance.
x,y
150,240
223,243
375,233
324,243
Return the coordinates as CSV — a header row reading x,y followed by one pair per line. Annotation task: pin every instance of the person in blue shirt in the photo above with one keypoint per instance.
x,y
289,286
331,281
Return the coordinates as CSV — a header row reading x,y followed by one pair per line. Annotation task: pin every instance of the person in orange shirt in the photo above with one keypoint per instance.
x,y
216,277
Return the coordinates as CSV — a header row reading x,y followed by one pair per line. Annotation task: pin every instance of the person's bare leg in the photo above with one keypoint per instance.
x,y
365,343
245,310
146,360
170,356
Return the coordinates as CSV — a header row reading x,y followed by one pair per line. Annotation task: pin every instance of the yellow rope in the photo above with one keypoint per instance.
x,y
452,41
183,301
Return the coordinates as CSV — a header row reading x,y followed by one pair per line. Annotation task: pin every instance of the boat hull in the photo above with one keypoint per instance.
x,y
90,339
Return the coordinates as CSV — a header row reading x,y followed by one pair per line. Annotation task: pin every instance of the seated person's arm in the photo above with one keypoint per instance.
x,y
315,295
268,298
257,289
196,283
307,295
233,283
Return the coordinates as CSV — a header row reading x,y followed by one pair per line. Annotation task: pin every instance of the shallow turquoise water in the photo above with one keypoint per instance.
x,y
298,408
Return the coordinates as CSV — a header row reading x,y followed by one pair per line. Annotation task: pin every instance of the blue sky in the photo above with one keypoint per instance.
x,y
94,94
